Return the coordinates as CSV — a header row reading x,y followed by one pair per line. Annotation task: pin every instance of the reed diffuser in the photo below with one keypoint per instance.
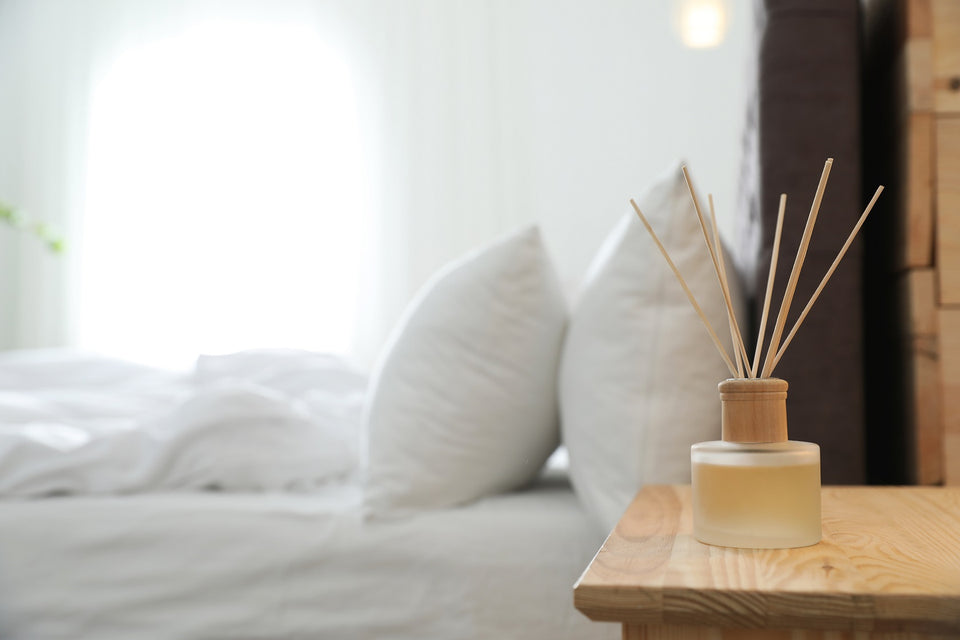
x,y
755,488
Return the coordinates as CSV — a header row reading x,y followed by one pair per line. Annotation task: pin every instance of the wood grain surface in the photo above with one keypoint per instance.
x,y
915,224
681,632
889,562
920,341
946,55
948,204
949,319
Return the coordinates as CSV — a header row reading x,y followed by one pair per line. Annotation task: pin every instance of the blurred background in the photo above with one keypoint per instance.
x,y
230,175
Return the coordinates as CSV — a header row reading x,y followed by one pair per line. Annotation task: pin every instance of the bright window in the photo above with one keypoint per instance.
x,y
224,204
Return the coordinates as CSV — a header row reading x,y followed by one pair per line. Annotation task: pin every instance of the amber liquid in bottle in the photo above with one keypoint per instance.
x,y
764,496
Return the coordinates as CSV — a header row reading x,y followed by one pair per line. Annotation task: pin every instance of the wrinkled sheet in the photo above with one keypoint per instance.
x,y
78,424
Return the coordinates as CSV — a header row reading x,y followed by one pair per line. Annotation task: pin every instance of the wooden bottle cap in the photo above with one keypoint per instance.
x,y
754,409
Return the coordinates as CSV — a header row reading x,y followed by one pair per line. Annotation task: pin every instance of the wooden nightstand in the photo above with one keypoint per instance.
x,y
888,567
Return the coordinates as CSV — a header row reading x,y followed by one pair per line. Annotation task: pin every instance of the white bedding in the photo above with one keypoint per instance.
x,y
293,566
95,561
77,424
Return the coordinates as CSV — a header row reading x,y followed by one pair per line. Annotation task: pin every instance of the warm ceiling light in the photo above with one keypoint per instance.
x,y
702,23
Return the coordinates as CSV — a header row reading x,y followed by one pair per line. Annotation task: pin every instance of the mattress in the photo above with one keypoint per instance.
x,y
226,503
209,565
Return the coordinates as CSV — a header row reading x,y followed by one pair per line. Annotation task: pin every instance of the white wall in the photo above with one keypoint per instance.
x,y
548,111
616,99
481,116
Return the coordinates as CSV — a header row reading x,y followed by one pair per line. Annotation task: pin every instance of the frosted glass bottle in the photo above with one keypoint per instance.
x,y
755,488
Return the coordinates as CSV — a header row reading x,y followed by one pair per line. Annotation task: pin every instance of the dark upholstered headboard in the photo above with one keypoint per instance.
x,y
806,109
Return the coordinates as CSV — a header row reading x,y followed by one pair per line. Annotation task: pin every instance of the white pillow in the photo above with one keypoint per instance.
x,y
638,381
463,403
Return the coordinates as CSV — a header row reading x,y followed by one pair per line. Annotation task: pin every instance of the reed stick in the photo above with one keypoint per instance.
x,y
737,339
823,283
686,289
795,271
725,285
770,278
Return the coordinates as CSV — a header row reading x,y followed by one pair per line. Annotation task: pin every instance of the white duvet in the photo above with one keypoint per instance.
x,y
263,420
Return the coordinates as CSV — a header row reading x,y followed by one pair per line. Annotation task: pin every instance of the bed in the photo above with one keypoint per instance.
x,y
198,550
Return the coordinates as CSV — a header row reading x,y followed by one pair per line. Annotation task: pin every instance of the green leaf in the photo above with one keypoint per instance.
x,y
56,245
39,230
